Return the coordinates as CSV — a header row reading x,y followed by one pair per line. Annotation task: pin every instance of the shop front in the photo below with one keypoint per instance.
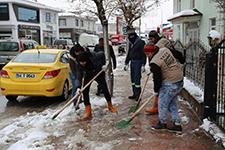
x,y
29,32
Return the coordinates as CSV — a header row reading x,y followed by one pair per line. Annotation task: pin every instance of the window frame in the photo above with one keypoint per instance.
x,y
6,17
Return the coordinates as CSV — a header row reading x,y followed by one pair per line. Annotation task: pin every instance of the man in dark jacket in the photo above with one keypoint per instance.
x,y
89,65
137,58
100,48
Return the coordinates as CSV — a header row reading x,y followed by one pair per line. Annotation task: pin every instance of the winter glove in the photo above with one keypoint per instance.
x,y
104,67
78,92
143,69
125,68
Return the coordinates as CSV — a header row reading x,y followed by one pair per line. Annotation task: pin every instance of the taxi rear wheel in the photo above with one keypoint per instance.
x,y
65,92
12,98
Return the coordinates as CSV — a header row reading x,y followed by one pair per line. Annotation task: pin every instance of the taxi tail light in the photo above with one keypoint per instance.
x,y
4,74
51,74
21,45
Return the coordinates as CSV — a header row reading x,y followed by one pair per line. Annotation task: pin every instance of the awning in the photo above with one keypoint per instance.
x,y
186,14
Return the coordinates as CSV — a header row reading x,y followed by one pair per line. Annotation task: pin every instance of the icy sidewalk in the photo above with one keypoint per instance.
x,y
37,131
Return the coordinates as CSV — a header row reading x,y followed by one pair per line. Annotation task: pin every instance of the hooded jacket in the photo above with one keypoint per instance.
x,y
95,61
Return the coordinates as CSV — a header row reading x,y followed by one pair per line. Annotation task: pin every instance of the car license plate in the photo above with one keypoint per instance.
x,y
25,75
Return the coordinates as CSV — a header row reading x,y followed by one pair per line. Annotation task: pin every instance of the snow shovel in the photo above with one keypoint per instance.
x,y
126,122
71,100
134,108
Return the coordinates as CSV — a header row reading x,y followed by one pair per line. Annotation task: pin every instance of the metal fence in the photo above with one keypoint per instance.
x,y
206,68
195,55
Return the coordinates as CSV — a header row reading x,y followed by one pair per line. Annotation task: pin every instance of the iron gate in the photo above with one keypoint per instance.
x,y
214,94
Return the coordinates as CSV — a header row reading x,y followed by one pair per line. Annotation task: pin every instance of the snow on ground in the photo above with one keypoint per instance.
x,y
208,126
31,131
194,90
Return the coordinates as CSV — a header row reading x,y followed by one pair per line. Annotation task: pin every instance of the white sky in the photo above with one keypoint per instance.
x,y
157,16
151,20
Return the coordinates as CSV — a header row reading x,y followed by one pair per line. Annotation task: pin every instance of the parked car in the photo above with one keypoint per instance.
x,y
63,44
37,72
10,48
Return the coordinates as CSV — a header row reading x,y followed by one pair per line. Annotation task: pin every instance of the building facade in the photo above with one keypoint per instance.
x,y
72,25
28,20
193,19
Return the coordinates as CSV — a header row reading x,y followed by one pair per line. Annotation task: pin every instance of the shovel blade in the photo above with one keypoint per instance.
x,y
132,109
123,124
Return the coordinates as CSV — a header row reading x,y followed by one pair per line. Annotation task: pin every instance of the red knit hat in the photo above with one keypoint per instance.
x,y
149,48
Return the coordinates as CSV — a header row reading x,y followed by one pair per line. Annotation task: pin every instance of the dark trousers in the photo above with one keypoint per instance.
x,y
135,68
102,83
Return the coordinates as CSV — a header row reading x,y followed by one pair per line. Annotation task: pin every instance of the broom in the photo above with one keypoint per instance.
x,y
126,122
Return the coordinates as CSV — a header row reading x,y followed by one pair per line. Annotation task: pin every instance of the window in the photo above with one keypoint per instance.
x,y
4,11
26,14
62,22
82,23
178,5
64,58
212,23
77,22
192,4
48,17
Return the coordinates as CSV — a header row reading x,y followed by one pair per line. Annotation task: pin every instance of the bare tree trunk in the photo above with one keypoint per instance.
x,y
109,72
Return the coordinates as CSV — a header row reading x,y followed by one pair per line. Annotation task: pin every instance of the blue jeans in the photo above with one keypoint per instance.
x,y
135,68
73,80
168,94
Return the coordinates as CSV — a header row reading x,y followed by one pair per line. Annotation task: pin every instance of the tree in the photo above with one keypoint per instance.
x,y
102,9
135,9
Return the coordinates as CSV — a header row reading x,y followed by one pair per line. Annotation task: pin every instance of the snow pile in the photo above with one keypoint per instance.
x,y
195,91
211,128
34,130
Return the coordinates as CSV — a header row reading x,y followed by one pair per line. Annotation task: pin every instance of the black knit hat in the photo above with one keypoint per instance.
x,y
130,30
153,34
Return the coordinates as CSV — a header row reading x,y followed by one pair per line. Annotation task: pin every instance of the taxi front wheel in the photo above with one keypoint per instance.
x,y
65,92
12,98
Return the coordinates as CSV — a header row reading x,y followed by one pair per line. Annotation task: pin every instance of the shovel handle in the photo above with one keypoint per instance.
x,y
142,91
71,100
140,108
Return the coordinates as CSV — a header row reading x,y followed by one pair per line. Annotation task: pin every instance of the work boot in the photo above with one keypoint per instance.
x,y
153,110
111,108
176,128
160,126
87,114
132,97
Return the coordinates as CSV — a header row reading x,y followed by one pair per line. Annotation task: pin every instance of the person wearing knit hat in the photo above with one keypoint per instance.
x,y
137,59
168,82
89,64
153,36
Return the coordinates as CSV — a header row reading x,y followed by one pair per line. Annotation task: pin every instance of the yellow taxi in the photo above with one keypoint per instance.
x,y
37,72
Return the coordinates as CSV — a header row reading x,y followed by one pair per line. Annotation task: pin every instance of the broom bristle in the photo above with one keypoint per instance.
x,y
123,124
